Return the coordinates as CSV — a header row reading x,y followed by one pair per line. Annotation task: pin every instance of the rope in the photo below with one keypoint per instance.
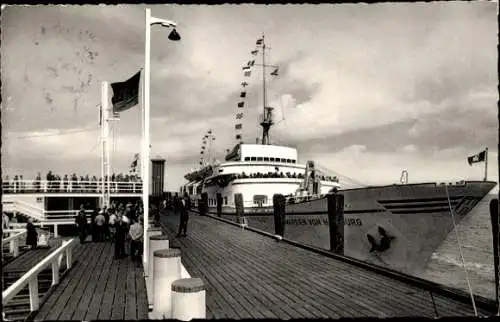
x,y
461,253
54,134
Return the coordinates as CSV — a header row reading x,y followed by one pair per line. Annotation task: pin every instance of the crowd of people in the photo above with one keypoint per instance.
x,y
276,174
121,224
72,183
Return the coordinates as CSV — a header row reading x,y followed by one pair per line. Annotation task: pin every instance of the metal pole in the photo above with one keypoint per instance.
x,y
105,138
145,141
486,165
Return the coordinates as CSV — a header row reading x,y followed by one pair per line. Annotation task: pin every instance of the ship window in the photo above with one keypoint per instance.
x,y
288,161
283,160
266,159
272,159
259,200
225,200
259,158
253,158
293,161
247,158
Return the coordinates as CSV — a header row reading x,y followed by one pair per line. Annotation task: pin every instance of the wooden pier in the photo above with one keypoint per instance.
x,y
248,275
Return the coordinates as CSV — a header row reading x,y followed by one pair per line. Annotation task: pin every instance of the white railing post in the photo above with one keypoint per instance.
x,y
69,257
55,272
56,235
14,247
33,289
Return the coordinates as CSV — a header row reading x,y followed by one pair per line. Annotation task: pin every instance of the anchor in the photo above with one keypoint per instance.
x,y
385,241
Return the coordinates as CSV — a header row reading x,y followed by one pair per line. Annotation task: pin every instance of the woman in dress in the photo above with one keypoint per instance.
x,y
31,235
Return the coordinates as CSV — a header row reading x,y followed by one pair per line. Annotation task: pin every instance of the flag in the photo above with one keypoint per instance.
x,y
239,116
133,164
251,63
241,104
243,94
247,74
126,94
245,67
480,157
203,147
209,131
275,72
244,84
201,152
238,126
259,41
238,136
254,52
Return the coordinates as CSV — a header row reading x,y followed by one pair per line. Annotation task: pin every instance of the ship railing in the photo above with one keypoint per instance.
x,y
24,208
63,186
30,279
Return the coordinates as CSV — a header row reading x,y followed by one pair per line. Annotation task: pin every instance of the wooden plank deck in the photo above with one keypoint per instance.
x,y
30,258
98,287
253,276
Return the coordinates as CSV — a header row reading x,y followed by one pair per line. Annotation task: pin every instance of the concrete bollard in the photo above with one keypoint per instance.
x,y
156,242
167,269
188,299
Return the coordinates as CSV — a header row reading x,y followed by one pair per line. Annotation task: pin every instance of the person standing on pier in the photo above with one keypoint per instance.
x,y
31,234
184,205
81,224
99,226
136,234
120,236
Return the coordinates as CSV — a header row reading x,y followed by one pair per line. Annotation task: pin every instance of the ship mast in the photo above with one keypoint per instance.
x,y
266,119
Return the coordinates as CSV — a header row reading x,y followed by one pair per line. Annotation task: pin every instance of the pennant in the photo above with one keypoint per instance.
x,y
209,131
126,94
201,152
239,116
259,41
213,139
254,52
201,163
275,72
203,147
245,67
243,94
251,63
244,84
238,136
480,157
238,126
133,164
241,104
247,74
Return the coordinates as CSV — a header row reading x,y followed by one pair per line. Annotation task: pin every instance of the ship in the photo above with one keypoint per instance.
x,y
395,226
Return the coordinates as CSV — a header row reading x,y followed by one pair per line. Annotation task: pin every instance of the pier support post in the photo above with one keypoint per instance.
x,y
218,198
188,299
279,203
336,222
156,242
167,269
204,204
238,203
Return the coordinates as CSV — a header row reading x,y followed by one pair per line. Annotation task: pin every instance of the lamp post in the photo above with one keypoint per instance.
x,y
146,140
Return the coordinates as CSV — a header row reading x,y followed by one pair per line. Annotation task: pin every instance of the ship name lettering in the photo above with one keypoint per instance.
x,y
353,222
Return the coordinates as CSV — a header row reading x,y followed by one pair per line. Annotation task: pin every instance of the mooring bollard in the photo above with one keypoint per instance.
x,y
279,203
156,242
336,222
188,299
167,269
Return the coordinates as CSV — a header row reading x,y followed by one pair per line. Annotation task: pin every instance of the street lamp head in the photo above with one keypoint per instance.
x,y
174,36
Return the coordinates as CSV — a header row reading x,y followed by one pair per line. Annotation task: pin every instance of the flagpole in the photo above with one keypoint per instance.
x,y
145,141
486,164
104,138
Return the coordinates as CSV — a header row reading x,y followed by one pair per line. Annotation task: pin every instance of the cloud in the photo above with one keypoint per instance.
x,y
383,82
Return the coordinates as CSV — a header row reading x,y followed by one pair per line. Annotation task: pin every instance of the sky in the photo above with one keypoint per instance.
x,y
365,90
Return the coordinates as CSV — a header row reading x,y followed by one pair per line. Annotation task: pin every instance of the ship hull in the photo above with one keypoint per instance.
x,y
417,219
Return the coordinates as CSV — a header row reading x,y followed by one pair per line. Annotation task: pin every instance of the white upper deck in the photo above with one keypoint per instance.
x,y
259,152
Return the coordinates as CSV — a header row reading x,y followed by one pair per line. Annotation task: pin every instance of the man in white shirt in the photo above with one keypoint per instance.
x,y
136,234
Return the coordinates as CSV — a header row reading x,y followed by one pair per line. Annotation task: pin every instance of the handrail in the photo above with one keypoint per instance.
x,y
14,242
31,277
38,186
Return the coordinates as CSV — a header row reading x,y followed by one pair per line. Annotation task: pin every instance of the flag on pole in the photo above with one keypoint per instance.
x,y
238,136
245,67
480,157
126,94
243,94
244,84
239,116
247,74
241,104
254,52
259,41
238,126
275,72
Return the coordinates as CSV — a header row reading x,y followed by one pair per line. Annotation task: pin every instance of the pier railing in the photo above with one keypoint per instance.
x,y
31,277
63,186
14,241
